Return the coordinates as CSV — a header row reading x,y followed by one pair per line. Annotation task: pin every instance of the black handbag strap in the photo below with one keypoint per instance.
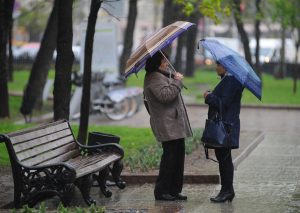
x,y
220,112
146,104
208,158
207,155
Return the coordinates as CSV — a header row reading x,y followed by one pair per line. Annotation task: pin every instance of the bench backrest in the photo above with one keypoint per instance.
x,y
50,143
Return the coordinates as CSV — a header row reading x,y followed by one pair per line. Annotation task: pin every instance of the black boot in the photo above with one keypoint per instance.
x,y
165,197
223,196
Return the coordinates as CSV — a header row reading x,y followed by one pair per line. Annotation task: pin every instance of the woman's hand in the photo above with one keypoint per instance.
x,y
178,76
206,93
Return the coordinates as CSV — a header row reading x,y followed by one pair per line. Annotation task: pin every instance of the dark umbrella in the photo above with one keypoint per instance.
x,y
235,64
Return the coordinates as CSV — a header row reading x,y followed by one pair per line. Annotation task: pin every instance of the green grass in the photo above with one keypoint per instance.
x,y
132,139
142,151
21,78
275,91
7,126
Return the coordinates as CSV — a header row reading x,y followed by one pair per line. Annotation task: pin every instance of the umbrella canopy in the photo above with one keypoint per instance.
x,y
154,43
235,64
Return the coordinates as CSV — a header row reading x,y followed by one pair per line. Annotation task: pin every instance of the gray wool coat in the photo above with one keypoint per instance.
x,y
168,116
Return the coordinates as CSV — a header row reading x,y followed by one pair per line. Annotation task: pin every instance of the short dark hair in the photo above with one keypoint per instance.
x,y
153,63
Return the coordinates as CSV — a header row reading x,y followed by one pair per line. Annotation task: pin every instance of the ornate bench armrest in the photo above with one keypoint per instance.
x,y
102,138
109,147
3,138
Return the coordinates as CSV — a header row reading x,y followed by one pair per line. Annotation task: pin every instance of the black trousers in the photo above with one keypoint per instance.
x,y
170,177
225,168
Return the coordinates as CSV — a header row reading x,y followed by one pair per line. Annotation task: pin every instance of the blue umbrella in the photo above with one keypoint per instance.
x,y
235,64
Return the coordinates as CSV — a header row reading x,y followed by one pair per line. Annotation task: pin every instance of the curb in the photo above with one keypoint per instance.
x,y
188,178
248,150
250,106
194,178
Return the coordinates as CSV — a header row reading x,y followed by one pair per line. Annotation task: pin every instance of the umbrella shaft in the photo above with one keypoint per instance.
x,y
173,69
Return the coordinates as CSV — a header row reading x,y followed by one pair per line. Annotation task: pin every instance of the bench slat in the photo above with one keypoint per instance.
x,y
82,161
38,133
97,166
62,158
39,141
54,156
44,148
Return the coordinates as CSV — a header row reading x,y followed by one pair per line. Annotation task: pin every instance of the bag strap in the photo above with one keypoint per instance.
x,y
146,104
207,155
214,160
220,109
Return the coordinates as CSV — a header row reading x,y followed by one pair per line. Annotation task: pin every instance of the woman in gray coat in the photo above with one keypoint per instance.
x,y
170,125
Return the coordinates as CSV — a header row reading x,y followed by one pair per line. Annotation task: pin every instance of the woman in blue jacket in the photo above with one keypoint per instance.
x,y
229,92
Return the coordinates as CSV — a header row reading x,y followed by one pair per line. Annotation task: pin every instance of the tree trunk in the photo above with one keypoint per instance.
x,y
168,12
128,39
281,71
297,44
168,18
178,58
241,30
41,65
9,20
257,37
64,61
191,45
4,106
86,90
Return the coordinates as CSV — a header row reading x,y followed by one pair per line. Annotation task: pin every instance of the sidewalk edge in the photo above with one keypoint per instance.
x,y
248,150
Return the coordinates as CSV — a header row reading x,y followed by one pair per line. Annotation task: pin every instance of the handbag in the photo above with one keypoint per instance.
x,y
216,133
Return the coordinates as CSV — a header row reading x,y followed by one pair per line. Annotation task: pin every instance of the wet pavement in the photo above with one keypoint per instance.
x,y
268,180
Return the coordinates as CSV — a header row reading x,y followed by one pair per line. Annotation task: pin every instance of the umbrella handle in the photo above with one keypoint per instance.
x,y
173,69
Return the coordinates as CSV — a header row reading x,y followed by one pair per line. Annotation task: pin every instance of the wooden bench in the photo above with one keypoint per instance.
x,y
47,161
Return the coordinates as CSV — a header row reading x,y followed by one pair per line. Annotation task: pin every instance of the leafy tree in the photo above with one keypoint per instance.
x,y
237,14
128,38
173,12
295,24
215,9
191,10
257,35
64,61
34,18
86,90
191,44
208,8
286,13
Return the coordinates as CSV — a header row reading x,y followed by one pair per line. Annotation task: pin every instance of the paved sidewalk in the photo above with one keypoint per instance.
x,y
268,180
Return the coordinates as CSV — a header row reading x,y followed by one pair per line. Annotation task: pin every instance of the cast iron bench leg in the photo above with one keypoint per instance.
x,y
101,179
116,173
84,184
